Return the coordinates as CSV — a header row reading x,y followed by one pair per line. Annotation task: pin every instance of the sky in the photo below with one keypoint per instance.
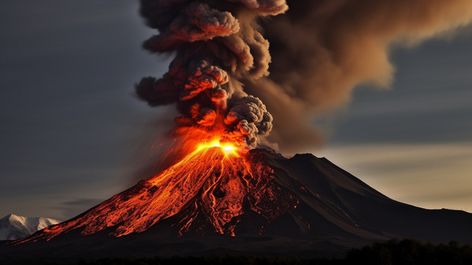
x,y
72,133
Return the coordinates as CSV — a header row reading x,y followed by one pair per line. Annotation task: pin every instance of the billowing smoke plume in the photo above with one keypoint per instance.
x,y
322,49
216,44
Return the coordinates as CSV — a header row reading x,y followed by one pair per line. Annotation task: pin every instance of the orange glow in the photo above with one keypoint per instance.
x,y
228,149
212,182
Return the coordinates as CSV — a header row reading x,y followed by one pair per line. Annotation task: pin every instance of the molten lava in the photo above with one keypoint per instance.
x,y
218,181
228,149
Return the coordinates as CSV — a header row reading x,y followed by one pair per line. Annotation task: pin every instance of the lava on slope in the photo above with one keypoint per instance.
x,y
216,179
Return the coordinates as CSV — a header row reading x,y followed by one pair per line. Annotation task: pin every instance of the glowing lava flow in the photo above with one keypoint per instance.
x,y
214,182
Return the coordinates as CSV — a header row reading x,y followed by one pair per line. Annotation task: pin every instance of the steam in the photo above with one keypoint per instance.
x,y
216,44
321,50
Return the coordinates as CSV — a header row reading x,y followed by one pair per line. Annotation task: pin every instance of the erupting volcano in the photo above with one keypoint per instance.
x,y
217,44
226,188
215,180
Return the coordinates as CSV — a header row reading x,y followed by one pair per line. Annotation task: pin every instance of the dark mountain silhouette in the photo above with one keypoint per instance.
x,y
336,212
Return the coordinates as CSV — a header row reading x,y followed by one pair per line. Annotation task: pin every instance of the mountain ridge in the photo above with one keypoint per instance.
x,y
13,227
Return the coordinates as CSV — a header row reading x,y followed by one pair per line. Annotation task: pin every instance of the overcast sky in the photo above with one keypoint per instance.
x,y
72,134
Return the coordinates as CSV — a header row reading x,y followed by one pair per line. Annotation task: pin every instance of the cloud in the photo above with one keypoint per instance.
x,y
321,50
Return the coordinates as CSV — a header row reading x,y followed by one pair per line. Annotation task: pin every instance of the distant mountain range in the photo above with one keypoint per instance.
x,y
13,227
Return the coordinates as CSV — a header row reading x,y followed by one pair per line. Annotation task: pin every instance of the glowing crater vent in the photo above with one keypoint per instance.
x,y
228,149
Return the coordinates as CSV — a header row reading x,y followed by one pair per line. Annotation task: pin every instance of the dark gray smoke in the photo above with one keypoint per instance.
x,y
216,44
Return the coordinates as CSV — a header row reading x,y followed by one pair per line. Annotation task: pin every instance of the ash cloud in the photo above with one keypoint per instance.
x,y
216,44
322,49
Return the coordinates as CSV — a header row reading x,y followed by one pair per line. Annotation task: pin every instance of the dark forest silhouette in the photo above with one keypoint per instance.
x,y
405,252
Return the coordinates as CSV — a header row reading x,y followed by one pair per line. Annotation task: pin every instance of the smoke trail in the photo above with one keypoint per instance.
x,y
216,44
322,49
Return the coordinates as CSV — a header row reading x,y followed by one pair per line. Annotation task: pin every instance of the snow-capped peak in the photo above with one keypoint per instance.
x,y
14,226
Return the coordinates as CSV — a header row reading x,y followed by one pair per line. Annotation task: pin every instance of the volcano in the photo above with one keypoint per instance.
x,y
259,203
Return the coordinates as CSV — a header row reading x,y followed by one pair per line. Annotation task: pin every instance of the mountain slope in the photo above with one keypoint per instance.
x,y
13,227
358,205
335,211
